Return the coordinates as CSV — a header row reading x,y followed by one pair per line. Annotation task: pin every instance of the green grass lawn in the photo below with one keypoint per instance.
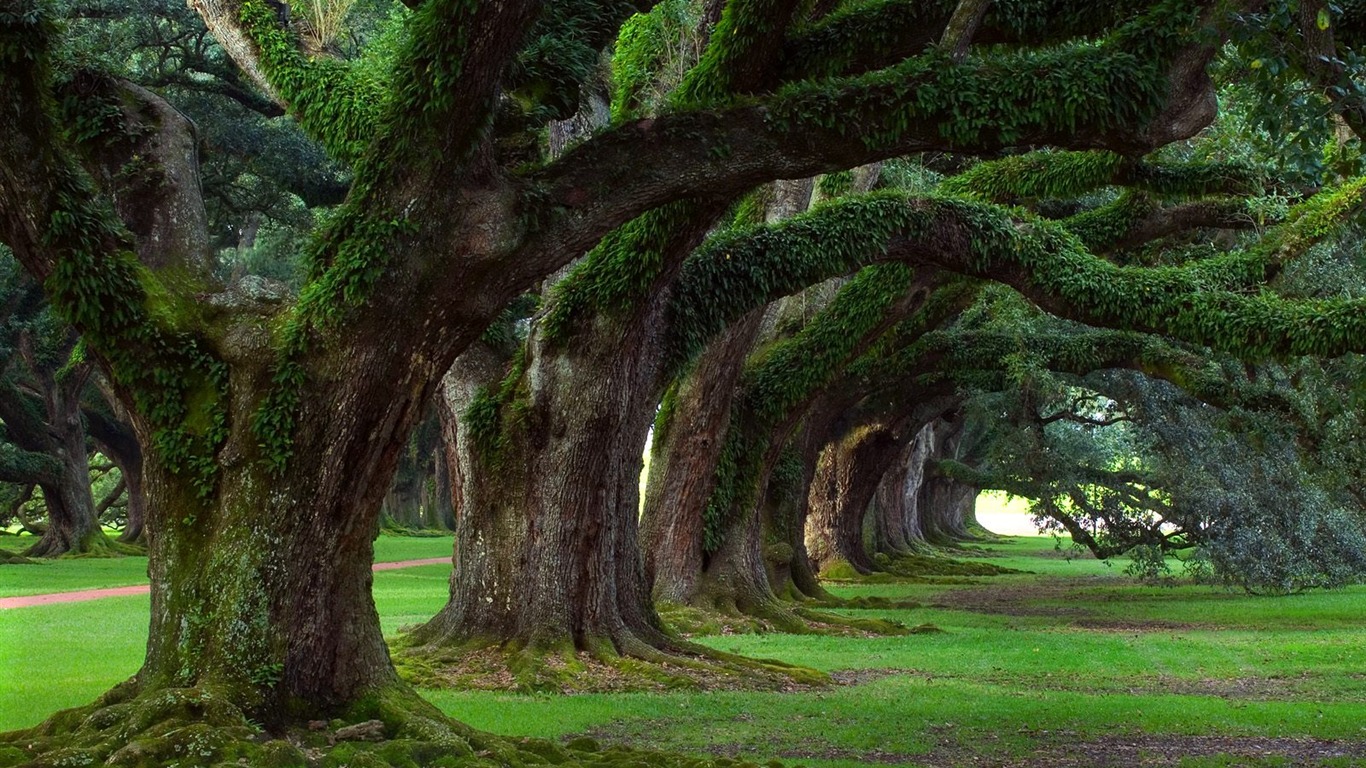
x,y
73,573
1028,667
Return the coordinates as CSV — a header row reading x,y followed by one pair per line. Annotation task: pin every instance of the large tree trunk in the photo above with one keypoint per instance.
x,y
943,505
735,579
684,454
849,472
820,420
547,555
896,524
72,523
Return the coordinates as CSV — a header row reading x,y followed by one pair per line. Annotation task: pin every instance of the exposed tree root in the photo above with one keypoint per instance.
x,y
792,618
918,568
200,728
565,669
14,558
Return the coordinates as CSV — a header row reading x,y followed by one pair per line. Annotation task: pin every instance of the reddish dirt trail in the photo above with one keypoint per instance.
x,y
80,596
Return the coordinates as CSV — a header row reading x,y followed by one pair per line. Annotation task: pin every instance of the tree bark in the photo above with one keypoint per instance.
x,y
847,476
547,555
896,522
59,433
943,504
114,438
684,456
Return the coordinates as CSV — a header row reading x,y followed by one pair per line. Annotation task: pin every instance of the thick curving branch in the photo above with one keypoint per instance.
x,y
1205,302
1083,97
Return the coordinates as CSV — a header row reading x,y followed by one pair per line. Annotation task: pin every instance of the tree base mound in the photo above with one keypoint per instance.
x,y
97,546
198,728
686,667
914,568
803,618
14,558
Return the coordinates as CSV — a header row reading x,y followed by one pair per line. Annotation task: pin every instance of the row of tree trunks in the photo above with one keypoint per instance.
x,y
850,470
684,454
420,496
943,505
896,527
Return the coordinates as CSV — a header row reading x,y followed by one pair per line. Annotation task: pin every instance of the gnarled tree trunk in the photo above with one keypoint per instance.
x,y
547,555
684,455
847,476
51,426
896,524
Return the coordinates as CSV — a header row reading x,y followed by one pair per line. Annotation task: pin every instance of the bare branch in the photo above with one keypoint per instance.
x,y
962,26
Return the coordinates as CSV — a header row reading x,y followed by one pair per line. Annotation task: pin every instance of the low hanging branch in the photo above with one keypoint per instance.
x,y
119,490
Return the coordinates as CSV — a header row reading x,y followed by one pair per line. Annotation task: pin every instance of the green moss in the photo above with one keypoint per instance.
x,y
744,31
746,267
336,104
640,54
788,373
1061,175
999,99
619,270
1038,175
925,565
839,570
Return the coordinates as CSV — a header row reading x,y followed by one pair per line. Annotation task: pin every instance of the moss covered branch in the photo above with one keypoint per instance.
x,y
63,232
1143,87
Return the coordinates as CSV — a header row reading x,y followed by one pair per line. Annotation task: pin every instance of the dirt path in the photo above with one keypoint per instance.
x,y
80,596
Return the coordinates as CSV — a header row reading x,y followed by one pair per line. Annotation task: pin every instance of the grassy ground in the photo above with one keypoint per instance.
x,y
1069,665
70,574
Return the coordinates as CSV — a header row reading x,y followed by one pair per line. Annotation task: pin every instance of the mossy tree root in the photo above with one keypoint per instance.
x,y
202,728
724,616
594,667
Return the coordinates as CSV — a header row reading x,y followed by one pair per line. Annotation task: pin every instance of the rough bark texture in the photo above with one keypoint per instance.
x,y
50,426
847,476
943,505
546,553
684,456
896,525
260,567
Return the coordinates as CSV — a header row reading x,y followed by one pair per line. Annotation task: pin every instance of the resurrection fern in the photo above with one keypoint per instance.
x,y
777,379
335,104
179,385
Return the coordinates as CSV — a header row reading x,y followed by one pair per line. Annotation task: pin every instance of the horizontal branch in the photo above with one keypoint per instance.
x,y
27,467
862,37
1139,90
1204,302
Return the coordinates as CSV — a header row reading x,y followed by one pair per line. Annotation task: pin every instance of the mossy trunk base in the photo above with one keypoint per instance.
x,y
683,666
201,728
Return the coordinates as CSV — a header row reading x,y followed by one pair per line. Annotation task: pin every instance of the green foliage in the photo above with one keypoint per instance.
x,y
745,28
651,52
1038,175
1001,98
360,242
740,269
619,270
1066,175
779,379
336,104
496,410
563,51
98,286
